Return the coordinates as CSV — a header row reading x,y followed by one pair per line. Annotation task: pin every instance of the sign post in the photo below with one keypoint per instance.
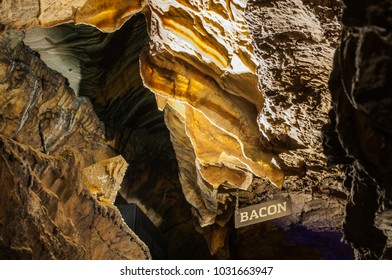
x,y
262,212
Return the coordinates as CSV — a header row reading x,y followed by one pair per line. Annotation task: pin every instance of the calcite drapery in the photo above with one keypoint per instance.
x,y
200,63
228,53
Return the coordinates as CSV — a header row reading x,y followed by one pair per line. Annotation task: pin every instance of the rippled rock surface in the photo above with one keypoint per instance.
x,y
47,136
243,89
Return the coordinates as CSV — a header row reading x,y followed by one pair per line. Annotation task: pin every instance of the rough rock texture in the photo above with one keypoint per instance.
x,y
290,46
361,94
48,213
294,45
245,98
107,15
105,68
200,64
38,107
104,178
47,136
223,69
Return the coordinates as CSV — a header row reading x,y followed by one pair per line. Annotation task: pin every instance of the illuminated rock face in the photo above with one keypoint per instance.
x,y
211,87
207,75
107,15
104,178
244,94
105,68
200,64
220,58
48,135
48,213
294,44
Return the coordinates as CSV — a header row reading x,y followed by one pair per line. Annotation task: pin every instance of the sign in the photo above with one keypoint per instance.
x,y
262,212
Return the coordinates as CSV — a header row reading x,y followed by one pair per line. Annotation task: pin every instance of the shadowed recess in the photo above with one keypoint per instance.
x,y
105,68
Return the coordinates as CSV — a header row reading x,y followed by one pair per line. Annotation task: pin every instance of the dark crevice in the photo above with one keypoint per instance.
x,y
104,67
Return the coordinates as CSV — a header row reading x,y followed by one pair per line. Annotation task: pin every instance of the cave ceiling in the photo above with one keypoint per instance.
x,y
187,108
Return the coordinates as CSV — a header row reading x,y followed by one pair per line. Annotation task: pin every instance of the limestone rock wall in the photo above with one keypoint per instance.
x,y
213,86
243,86
47,136
361,94
48,213
38,107
107,15
105,68
294,43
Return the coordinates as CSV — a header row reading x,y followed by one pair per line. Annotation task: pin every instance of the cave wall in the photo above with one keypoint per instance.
x,y
243,87
48,135
361,95
294,49
294,43
105,68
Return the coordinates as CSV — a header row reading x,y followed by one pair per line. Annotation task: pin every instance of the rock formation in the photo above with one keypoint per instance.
x,y
104,14
105,68
48,135
104,178
243,90
361,94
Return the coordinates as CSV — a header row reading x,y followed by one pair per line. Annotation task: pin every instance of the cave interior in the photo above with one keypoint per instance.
x,y
140,129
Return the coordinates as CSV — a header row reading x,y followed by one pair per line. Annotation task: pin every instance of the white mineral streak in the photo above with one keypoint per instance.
x,y
231,33
201,66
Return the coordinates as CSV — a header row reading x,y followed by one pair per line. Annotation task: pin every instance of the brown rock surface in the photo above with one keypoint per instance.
x,y
104,178
38,108
245,98
105,68
48,135
201,65
48,213
235,145
294,45
107,15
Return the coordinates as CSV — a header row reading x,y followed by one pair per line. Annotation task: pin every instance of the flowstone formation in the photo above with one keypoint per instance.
x,y
243,89
107,15
200,64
